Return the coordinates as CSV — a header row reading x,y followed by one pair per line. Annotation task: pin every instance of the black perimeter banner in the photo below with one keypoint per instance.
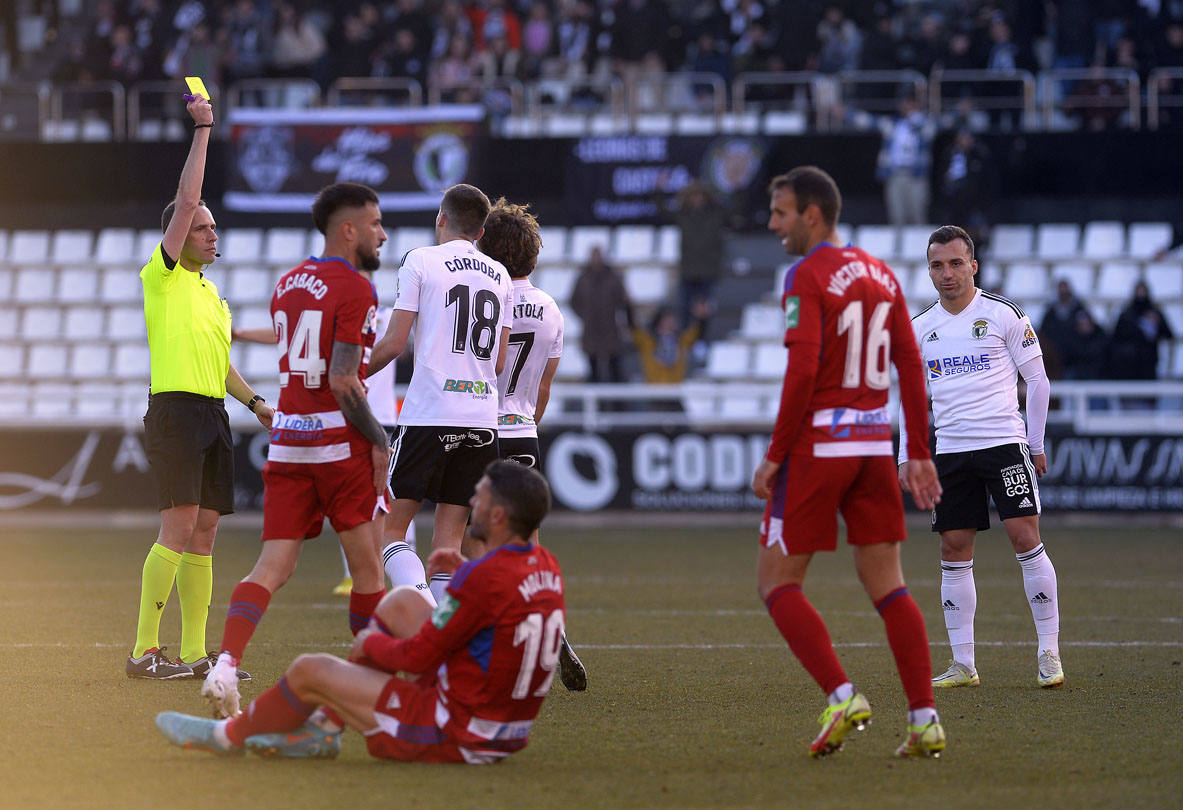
x,y
644,470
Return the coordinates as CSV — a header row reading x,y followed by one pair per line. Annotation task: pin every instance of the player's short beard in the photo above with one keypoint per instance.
x,y
369,261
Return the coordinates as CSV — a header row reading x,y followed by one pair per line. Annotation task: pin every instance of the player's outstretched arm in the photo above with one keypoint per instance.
x,y
392,344
260,334
351,397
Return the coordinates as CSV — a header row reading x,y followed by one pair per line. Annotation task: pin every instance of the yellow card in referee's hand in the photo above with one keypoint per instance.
x,y
197,87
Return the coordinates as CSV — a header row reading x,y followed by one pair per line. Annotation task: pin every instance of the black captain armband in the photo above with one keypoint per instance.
x,y
203,126
254,400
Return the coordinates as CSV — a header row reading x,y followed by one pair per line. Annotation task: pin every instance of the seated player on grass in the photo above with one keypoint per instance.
x,y
476,669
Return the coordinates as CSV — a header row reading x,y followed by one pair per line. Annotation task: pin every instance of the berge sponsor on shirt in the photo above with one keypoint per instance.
x,y
479,387
962,364
302,281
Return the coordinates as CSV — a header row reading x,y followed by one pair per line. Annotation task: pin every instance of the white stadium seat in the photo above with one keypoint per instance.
x,y
53,400
386,285
127,323
261,361
573,365
258,317
41,323
1080,275
1057,240
1009,242
1025,280
29,247
117,246
554,244
845,233
741,407
1176,368
918,284
47,360
1174,316
652,124
669,244
572,328
118,285
770,361
241,245
586,237
557,281
633,243
406,240
878,240
1147,238
218,275
646,284
146,242
785,122
250,285
34,284
286,246
1103,240
3,245
990,276
913,245
1116,281
83,323
760,321
8,323
12,360
1165,280
695,124
5,283
90,360
72,247
564,125
728,360
97,400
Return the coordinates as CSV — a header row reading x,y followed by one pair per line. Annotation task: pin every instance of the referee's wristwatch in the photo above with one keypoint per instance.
x,y
255,399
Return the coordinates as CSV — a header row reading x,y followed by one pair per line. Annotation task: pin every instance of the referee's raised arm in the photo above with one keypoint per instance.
x,y
192,176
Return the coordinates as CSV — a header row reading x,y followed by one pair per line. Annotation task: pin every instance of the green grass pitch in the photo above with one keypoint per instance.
x,y
694,701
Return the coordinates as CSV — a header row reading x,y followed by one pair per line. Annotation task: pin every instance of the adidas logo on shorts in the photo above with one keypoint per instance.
x,y
1025,503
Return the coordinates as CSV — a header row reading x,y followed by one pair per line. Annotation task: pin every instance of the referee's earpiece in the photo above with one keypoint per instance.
x,y
217,255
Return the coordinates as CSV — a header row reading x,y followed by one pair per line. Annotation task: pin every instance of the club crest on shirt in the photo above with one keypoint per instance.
x,y
979,329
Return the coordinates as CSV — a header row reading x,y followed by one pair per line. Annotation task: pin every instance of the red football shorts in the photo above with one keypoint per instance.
x,y
297,497
405,712
802,514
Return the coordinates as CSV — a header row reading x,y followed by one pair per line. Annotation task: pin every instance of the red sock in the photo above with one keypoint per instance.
x,y
361,608
909,645
277,709
807,635
247,604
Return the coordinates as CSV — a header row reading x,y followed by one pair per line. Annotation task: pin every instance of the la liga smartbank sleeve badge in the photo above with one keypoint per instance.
x,y
792,311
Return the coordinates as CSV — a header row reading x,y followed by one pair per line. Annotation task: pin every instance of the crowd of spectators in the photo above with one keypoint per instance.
x,y
450,43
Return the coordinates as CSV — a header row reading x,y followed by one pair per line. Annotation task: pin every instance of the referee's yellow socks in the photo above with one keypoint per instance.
x,y
195,586
160,569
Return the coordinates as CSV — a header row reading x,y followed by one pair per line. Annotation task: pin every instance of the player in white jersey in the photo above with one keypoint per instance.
x,y
974,345
535,346
459,302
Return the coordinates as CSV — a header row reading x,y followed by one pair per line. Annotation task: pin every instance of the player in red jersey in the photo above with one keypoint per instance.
x,y
831,451
485,657
328,453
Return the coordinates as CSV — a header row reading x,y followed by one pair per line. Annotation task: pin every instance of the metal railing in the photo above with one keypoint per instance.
x,y
983,90
1096,91
1157,100
101,103
677,92
284,93
25,107
405,92
165,100
498,94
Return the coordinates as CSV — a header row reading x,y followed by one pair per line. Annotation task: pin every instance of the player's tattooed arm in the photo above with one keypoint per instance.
x,y
350,394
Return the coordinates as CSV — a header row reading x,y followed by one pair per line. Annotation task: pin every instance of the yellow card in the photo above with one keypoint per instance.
x,y
197,87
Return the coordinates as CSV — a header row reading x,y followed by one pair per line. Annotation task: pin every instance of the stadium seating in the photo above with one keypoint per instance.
x,y
633,243
72,247
1012,242
406,240
285,246
669,244
646,284
90,360
586,237
83,324
1103,240
119,285
34,285
250,285
1025,280
117,246
770,361
12,360
8,321
41,323
762,322
241,245
913,246
29,247
1081,277
557,281
1146,238
728,360
47,360
1057,240
1165,280
3,246
554,244
573,365
126,323
878,240
1116,280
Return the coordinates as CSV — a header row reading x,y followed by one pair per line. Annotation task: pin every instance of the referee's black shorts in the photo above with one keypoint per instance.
x,y
191,451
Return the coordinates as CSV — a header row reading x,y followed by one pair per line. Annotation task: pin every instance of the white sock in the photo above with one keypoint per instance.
x,y
220,735
344,560
438,583
404,567
320,719
842,694
959,598
1039,581
410,538
922,717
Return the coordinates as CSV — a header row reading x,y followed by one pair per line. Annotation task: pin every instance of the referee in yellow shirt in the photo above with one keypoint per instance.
x,y
186,429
